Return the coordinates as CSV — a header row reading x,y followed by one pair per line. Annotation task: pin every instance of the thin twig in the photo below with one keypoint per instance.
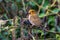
x,y
35,2
13,35
53,3
24,8
58,4
22,29
41,6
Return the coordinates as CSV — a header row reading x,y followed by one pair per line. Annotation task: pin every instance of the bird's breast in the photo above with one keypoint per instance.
x,y
30,20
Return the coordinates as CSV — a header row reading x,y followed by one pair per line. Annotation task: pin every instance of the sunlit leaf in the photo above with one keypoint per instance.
x,y
55,10
58,37
52,30
42,15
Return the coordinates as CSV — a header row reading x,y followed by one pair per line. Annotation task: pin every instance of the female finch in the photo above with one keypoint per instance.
x,y
34,19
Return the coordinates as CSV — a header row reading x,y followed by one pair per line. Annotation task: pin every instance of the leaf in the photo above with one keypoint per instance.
x,y
55,10
2,37
42,15
5,33
14,6
52,30
39,1
58,37
6,28
32,3
18,0
5,16
51,20
58,28
37,31
46,3
42,33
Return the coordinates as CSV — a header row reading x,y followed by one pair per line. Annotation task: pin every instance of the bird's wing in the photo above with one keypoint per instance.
x,y
36,20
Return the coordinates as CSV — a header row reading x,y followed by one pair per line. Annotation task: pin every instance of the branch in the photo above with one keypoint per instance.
x,y
41,6
24,8
53,3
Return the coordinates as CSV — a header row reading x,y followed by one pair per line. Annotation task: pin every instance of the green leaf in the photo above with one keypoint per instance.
x,y
37,31
6,28
39,1
42,15
32,3
14,6
55,10
58,37
42,33
51,20
2,37
5,33
58,28
46,3
5,16
18,0
52,30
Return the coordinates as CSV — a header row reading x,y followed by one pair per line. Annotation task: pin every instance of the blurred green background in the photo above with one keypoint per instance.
x,y
13,12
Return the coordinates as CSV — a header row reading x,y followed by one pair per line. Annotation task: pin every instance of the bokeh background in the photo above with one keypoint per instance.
x,y
15,26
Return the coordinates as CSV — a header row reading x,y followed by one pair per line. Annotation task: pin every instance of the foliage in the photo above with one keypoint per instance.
x,y
13,12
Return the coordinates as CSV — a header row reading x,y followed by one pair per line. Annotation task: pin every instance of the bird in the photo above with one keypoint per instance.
x,y
33,18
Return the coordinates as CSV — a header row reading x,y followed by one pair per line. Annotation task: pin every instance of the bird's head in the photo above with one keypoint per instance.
x,y
31,11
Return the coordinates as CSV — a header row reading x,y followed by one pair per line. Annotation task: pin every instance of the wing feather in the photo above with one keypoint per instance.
x,y
36,20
